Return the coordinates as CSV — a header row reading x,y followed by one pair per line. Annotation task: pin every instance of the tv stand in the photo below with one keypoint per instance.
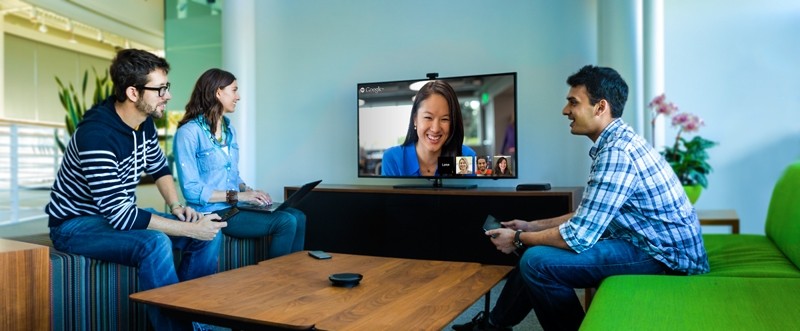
x,y
433,224
437,184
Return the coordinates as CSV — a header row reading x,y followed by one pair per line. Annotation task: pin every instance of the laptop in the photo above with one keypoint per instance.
x,y
292,201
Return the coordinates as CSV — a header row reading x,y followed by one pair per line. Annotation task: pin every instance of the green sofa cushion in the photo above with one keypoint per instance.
x,y
783,215
647,302
746,255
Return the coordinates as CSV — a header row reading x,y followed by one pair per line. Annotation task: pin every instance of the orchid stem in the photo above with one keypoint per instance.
x,y
677,139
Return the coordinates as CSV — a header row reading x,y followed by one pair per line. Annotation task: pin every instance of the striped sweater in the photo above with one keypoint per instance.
x,y
102,165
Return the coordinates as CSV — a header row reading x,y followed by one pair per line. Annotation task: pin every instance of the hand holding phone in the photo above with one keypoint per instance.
x,y
491,223
228,214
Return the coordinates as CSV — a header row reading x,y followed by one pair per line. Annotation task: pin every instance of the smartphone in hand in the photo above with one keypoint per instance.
x,y
230,213
491,223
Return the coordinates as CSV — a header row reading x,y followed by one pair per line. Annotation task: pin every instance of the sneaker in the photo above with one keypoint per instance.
x,y
479,323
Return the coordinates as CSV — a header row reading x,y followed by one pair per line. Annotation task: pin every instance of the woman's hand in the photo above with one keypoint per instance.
x,y
256,197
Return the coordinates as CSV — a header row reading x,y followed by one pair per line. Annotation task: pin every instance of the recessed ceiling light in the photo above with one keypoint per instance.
x,y
415,86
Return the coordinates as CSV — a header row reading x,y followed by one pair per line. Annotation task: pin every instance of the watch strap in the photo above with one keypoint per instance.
x,y
517,240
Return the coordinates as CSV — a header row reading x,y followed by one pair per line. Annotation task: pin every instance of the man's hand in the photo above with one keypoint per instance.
x,y
202,227
503,238
186,214
206,228
517,225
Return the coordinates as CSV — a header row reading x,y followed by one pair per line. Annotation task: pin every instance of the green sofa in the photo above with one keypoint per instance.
x,y
754,282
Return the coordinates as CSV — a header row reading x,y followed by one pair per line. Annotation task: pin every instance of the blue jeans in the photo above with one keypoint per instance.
x,y
547,277
150,251
287,228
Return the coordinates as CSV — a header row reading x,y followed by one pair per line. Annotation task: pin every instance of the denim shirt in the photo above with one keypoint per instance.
x,y
203,166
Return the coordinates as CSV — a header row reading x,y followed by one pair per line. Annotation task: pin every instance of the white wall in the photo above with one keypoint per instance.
x,y
735,63
30,71
310,58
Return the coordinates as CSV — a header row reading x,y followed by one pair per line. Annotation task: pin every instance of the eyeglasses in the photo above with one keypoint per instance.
x,y
161,89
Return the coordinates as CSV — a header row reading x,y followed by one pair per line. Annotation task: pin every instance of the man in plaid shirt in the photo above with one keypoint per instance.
x,y
634,218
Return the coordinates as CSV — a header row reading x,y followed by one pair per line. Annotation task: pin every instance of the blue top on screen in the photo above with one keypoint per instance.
x,y
402,160
486,113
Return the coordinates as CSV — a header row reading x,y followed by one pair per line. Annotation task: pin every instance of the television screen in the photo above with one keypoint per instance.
x,y
451,127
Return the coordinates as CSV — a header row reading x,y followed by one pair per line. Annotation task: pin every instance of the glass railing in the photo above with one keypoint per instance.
x,y
29,160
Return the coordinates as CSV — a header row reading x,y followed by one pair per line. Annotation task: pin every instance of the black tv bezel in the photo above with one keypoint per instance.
x,y
437,180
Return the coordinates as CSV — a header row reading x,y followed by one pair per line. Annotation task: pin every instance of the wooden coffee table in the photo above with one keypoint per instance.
x,y
293,292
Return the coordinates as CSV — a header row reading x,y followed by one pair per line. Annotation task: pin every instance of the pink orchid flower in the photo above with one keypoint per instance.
x,y
680,119
661,107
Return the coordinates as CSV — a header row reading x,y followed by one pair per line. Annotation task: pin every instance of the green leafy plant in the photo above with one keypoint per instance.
x,y
689,160
75,104
687,157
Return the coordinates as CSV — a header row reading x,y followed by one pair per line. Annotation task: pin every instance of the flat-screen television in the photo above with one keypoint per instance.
x,y
439,128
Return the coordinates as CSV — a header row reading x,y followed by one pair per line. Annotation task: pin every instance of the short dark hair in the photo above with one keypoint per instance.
x,y
602,83
130,67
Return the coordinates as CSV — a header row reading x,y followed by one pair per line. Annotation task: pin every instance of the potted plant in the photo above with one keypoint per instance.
x,y
75,105
687,157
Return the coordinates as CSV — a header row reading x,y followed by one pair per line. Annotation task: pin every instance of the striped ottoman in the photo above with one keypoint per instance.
x,y
89,294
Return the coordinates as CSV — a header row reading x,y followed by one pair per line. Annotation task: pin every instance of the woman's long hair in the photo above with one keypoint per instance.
x,y
498,172
203,101
452,146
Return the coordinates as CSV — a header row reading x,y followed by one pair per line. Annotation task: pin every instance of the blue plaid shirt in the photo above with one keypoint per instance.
x,y
634,195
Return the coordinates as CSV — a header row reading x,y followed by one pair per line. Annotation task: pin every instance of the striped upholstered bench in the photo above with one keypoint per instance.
x,y
88,294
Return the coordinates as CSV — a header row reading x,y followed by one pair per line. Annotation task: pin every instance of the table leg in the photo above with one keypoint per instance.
x,y
486,303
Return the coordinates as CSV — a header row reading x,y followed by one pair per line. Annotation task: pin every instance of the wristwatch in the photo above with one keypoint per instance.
x,y
517,242
231,197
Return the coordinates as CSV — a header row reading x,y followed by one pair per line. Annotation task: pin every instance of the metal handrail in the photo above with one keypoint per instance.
x,y
33,158
32,123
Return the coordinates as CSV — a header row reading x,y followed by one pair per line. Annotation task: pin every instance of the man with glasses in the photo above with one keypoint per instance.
x,y
162,90
92,205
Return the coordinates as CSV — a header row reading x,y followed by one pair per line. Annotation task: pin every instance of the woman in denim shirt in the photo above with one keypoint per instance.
x,y
207,157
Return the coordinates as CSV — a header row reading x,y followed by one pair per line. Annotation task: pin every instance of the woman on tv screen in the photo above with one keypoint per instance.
x,y
464,165
435,129
501,168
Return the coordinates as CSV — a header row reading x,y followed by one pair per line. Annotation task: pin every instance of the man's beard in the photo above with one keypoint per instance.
x,y
148,110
